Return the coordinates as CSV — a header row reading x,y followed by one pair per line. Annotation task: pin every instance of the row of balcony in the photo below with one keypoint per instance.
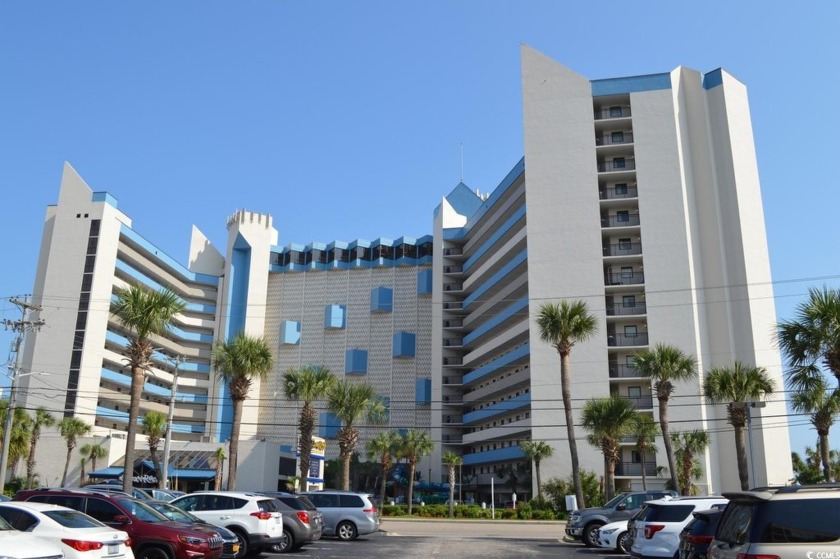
x,y
623,248
620,220
614,138
616,111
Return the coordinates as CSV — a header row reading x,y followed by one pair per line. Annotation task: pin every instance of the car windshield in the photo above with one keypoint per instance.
x,y
142,511
173,513
614,501
73,519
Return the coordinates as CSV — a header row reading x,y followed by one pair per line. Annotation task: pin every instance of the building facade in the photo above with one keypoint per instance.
x,y
638,195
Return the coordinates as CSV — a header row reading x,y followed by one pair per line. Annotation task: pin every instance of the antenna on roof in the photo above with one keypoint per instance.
x,y
462,161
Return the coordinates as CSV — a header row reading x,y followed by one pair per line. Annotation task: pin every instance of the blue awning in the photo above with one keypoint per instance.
x,y
180,473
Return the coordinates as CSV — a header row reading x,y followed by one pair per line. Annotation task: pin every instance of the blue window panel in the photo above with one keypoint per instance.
x,y
423,391
404,344
290,332
381,299
503,361
424,282
328,425
491,456
335,316
356,362
500,408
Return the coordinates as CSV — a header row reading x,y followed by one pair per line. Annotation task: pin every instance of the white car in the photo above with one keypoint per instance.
x,y
22,545
614,536
74,533
659,523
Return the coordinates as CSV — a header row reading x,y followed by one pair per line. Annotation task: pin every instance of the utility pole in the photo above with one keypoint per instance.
x,y
21,326
176,362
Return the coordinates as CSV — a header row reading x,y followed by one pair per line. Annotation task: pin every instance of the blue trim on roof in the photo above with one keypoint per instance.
x,y
500,408
521,352
713,79
168,260
490,456
104,197
463,200
631,84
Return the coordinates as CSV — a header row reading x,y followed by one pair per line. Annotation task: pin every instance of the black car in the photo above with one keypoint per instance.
x,y
230,543
699,533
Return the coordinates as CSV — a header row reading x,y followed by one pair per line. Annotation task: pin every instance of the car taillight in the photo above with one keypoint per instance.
x,y
81,545
698,540
371,510
651,529
303,516
757,556
128,542
262,515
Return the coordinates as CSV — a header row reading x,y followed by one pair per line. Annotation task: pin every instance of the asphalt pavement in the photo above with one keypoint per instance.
x,y
521,529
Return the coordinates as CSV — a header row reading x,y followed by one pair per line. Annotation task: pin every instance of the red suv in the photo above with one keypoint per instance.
x,y
153,536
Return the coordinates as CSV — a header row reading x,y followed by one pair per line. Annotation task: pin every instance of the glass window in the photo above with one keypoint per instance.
x,y
189,504
625,243
798,521
617,137
634,391
631,331
324,501
18,519
621,188
615,112
622,216
619,163
351,501
628,300
72,519
626,272
102,510
735,524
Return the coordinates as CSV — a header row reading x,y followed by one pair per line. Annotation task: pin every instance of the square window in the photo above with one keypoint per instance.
x,y
626,272
624,243
619,163
621,189
617,137
615,112
630,331
630,360
622,216
628,301
634,391
335,316
290,332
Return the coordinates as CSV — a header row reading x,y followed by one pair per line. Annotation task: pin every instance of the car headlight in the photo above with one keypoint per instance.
x,y
190,540
610,531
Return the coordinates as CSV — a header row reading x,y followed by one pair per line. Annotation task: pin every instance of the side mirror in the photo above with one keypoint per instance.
x,y
622,506
121,519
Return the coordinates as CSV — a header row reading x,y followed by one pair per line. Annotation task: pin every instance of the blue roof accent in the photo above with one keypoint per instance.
x,y
514,355
490,456
104,197
631,84
505,406
713,79
355,264
463,200
316,246
168,260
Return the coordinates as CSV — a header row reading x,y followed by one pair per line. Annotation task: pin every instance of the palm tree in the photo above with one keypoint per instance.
x,y
608,420
562,325
536,451
415,445
238,362
82,462
736,387
71,428
812,339
43,418
645,431
382,448
823,405
351,402
307,385
220,456
20,438
687,446
93,452
452,461
144,313
665,365
154,427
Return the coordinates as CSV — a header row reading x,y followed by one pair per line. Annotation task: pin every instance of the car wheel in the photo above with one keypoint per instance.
x,y
243,544
153,553
623,542
346,531
590,534
286,544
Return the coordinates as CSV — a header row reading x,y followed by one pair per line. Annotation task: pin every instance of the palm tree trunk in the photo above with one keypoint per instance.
x,y
644,473
539,480
666,440
66,466
610,478
741,455
411,467
345,467
138,379
452,491
157,467
305,442
234,444
82,478
565,382
384,483
826,455
30,462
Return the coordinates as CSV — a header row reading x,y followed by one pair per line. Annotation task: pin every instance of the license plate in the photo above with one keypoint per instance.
x,y
113,549
235,548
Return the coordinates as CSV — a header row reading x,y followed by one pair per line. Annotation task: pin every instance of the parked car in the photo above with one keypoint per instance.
x,y
78,535
347,515
153,536
699,533
23,545
795,521
230,543
254,518
583,523
136,492
658,526
614,536
303,523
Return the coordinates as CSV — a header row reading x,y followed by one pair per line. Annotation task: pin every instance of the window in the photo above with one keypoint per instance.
x,y
617,137
629,360
798,521
636,457
18,519
323,500
619,163
626,272
628,301
615,112
102,510
634,391
631,331
621,189
622,216
624,243
351,501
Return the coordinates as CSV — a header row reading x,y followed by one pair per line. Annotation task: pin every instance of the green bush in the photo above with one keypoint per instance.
x,y
556,490
507,514
524,511
542,514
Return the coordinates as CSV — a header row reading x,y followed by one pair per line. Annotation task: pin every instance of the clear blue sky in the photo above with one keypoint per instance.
x,y
344,120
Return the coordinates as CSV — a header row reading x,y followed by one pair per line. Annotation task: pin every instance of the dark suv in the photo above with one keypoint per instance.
x,y
795,521
584,524
153,536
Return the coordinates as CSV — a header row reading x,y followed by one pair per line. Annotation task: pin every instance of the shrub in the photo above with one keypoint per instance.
x,y
507,514
556,490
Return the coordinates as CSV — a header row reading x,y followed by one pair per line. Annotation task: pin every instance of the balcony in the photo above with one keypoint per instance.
x,y
453,286
623,249
453,323
620,220
453,361
625,278
452,380
622,309
602,113
635,469
453,269
452,420
453,400
623,371
625,340
614,138
617,165
452,439
453,306
453,342
453,251
619,192
639,402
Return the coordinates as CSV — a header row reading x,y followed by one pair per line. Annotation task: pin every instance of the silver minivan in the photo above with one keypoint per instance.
x,y
347,515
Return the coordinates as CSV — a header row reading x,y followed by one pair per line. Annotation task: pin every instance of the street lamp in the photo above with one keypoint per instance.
x,y
176,362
